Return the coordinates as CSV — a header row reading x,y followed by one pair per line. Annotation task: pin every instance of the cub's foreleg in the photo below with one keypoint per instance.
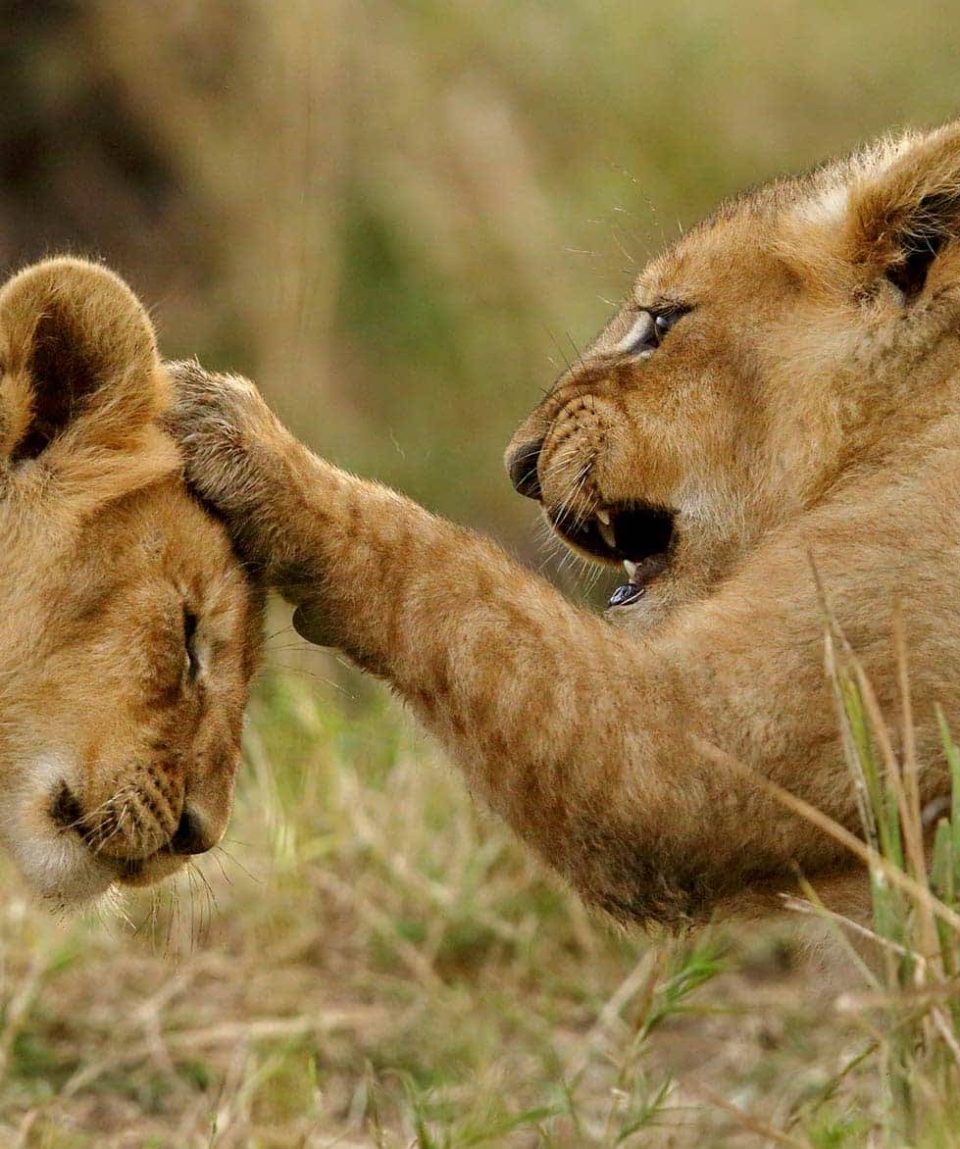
x,y
589,742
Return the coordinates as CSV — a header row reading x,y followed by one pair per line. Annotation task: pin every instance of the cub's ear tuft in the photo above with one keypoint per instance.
x,y
905,208
79,359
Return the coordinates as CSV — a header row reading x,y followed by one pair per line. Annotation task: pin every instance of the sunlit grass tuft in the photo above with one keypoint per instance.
x,y
375,961
372,960
906,957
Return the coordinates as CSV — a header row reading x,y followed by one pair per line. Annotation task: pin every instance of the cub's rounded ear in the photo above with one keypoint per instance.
x,y
78,355
905,208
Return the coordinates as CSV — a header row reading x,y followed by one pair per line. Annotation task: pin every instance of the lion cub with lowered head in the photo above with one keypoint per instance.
x,y
129,630
782,384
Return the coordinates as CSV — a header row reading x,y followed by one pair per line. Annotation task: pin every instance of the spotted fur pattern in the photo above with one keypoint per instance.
x,y
801,414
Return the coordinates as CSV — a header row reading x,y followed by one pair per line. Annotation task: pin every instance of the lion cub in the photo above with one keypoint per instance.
x,y
782,385
129,631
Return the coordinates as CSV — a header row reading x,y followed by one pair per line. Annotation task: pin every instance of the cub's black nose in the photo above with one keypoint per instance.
x,y
191,836
522,469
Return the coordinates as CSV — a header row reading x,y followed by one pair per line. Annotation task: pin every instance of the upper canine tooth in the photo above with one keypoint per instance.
x,y
605,528
604,517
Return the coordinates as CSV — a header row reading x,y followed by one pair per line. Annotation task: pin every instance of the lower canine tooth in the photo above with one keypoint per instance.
x,y
630,568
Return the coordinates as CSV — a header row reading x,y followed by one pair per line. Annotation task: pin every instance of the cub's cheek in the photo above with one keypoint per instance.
x,y
54,864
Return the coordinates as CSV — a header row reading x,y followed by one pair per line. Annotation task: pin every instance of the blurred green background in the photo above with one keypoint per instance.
x,y
402,219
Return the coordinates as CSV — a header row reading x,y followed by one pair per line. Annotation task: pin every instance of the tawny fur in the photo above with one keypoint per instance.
x,y
106,732
804,414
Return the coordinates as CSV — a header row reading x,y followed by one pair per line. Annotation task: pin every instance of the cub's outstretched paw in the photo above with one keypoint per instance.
x,y
226,434
278,500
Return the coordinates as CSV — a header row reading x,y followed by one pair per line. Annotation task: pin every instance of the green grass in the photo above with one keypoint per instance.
x,y
372,960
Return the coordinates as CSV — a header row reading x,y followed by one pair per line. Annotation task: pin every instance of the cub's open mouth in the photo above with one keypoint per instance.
x,y
634,534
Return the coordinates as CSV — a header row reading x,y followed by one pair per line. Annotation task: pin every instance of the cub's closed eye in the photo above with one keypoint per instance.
x,y
190,642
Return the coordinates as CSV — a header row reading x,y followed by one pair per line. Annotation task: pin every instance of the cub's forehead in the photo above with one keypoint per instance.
x,y
196,547
743,232
162,536
707,258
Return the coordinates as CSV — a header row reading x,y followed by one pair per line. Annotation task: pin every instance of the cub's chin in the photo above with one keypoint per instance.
x,y
67,875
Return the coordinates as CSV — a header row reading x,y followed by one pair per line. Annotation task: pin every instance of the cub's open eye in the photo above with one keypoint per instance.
x,y
663,323
648,331
190,642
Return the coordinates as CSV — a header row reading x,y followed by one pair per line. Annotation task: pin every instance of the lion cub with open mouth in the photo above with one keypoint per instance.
x,y
781,385
129,631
